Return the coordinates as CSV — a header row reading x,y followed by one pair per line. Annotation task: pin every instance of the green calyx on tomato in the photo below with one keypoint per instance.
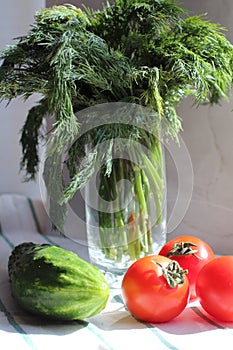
x,y
183,248
173,273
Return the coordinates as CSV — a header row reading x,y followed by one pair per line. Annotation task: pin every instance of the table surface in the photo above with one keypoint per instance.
x,y
114,328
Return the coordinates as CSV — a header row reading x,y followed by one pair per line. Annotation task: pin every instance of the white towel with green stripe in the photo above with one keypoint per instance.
x,y
23,220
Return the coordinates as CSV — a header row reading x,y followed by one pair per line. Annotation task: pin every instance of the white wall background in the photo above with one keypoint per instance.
x,y
15,18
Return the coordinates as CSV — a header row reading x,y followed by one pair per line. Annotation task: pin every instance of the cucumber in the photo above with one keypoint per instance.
x,y
53,282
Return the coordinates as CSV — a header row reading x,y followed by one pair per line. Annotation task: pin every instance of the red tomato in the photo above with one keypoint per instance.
x,y
147,293
214,288
191,253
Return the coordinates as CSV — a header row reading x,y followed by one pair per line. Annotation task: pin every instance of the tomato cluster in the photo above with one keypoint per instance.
x,y
157,288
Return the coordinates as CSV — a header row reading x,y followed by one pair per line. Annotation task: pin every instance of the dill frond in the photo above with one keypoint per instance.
x,y
149,52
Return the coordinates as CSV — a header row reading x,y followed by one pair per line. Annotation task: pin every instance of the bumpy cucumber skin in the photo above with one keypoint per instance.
x,y
56,283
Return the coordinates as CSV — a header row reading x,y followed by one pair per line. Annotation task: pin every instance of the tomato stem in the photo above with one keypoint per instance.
x,y
183,248
173,273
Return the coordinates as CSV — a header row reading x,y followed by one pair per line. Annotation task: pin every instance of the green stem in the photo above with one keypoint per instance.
x,y
119,222
103,217
147,238
143,211
156,185
145,175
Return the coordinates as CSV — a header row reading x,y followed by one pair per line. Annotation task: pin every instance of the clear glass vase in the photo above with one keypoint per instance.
x,y
126,209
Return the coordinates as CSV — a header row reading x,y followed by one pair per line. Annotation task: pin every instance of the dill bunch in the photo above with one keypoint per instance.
x,y
150,53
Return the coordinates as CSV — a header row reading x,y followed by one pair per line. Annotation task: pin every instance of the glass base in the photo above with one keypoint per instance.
x,y
114,269
114,280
